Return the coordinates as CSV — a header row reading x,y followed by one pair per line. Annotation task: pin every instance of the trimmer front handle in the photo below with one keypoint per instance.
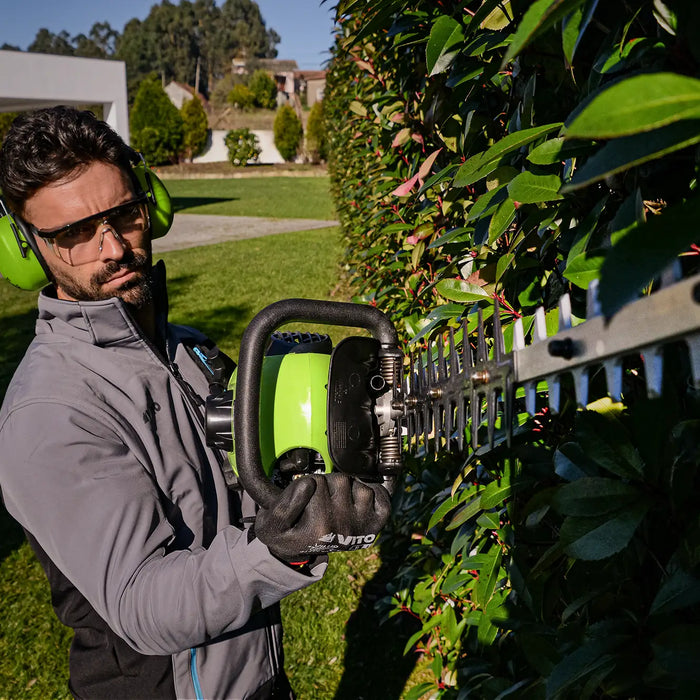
x,y
246,422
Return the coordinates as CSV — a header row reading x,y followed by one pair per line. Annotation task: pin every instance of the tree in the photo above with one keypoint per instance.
x,y
316,141
288,132
195,127
241,97
155,124
264,89
48,42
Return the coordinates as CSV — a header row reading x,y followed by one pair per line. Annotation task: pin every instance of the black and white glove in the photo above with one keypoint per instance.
x,y
322,513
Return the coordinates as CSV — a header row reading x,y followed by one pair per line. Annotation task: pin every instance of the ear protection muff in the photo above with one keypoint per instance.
x,y
160,206
21,263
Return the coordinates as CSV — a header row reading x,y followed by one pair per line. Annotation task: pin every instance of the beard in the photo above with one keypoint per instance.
x,y
137,292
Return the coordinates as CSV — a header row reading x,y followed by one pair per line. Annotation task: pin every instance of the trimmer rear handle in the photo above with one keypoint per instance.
x,y
246,421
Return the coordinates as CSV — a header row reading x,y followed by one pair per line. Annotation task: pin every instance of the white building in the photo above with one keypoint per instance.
x,y
32,80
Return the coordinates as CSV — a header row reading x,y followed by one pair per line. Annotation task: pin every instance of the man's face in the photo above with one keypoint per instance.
x,y
117,266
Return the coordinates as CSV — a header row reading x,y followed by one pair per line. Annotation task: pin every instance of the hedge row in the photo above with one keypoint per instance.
x,y
516,151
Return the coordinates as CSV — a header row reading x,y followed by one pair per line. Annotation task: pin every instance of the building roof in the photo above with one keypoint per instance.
x,y
310,74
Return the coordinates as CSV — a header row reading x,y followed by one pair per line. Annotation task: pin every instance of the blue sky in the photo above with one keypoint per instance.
x,y
304,25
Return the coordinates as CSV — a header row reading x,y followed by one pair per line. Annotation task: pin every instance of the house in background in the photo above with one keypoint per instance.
x,y
312,83
179,93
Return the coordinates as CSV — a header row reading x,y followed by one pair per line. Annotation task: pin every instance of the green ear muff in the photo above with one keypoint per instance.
x,y
20,263
160,206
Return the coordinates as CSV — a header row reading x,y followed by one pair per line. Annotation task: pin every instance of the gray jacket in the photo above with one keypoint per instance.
x,y
103,461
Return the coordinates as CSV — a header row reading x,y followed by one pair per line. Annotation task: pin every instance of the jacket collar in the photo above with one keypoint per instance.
x,y
104,323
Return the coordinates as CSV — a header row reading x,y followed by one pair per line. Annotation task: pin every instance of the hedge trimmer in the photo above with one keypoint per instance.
x,y
296,404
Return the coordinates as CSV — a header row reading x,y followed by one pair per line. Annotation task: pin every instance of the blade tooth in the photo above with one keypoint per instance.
x,y
564,312
432,370
613,376
491,415
454,359
540,332
427,426
653,370
449,423
693,343
461,422
476,418
592,301
438,420
498,341
467,361
671,274
554,384
518,335
441,364
530,398
482,354
581,380
508,410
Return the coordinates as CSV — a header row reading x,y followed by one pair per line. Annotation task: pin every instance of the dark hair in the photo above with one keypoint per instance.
x,y
46,145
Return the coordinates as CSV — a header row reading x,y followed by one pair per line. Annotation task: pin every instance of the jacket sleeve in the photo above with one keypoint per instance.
x,y
95,510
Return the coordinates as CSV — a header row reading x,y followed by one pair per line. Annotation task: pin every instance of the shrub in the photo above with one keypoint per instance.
x,y
155,124
243,146
316,141
288,132
264,89
195,127
241,97
462,173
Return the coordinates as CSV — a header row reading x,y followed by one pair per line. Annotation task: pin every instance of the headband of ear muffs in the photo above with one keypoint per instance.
x,y
21,263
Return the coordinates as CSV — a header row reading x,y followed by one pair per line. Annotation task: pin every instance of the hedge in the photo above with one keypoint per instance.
x,y
516,151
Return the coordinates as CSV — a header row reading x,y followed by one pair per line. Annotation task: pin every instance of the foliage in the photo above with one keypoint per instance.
x,y
288,132
264,89
316,139
243,146
515,151
195,127
174,40
155,124
6,119
241,97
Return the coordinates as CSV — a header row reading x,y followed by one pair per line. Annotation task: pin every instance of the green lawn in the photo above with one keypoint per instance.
x,y
277,197
334,646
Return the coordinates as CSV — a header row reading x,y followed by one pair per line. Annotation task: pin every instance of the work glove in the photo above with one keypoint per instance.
x,y
322,513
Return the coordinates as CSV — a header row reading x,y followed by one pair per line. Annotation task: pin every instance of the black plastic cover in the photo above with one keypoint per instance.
x,y
353,441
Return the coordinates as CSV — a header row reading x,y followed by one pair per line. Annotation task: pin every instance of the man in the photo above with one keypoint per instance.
x,y
103,459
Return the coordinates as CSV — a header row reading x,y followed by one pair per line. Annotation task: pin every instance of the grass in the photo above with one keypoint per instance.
x,y
334,646
276,197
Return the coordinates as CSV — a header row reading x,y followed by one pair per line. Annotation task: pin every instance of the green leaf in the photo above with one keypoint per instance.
x,y
482,164
460,291
529,188
591,539
584,268
680,590
573,28
646,250
442,510
540,16
557,150
445,34
626,152
593,496
638,104
500,221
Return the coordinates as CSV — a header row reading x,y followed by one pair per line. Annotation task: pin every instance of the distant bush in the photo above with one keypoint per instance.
x,y
288,132
243,146
241,97
316,138
264,89
155,124
195,127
